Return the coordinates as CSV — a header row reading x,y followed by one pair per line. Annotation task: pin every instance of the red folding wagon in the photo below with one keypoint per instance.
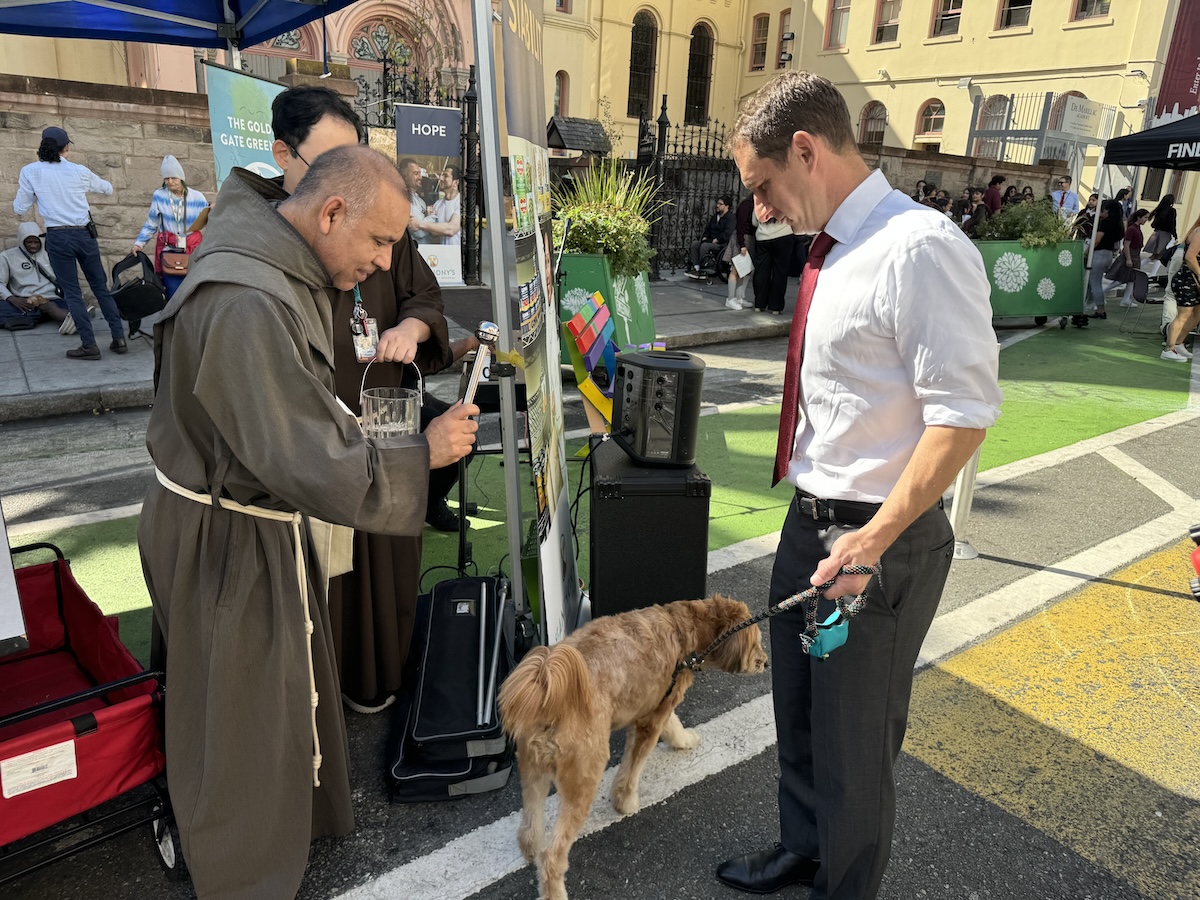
x,y
81,737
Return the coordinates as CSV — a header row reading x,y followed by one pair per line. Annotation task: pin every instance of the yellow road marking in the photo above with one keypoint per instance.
x,y
1084,722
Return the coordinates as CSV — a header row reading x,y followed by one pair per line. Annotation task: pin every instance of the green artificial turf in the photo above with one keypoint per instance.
x,y
1060,387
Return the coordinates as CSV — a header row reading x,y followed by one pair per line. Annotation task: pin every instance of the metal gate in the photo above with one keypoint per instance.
x,y
375,103
693,168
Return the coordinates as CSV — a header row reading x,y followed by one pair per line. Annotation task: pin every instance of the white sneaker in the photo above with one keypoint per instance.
x,y
67,326
1173,356
747,304
1127,304
1184,350
731,303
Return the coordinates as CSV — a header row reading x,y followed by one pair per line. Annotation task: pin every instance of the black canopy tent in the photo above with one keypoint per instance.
x,y
1175,145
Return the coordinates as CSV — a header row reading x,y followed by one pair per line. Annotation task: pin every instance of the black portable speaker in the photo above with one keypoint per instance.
x,y
656,406
648,533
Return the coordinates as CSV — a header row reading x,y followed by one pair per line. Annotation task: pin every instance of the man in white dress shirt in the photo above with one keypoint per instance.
x,y
897,386
60,187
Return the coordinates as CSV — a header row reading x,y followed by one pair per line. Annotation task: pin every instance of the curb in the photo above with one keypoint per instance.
x,y
61,403
729,335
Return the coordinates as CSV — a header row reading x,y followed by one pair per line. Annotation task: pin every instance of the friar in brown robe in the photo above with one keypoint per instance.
x,y
245,410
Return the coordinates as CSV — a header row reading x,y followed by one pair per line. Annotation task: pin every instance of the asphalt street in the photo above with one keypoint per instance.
x,y
1076,515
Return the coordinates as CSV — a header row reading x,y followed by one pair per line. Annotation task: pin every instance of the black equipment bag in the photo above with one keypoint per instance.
x,y
136,287
440,746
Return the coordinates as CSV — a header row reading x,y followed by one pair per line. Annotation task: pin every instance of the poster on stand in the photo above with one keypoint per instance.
x,y
239,116
1179,92
529,223
429,154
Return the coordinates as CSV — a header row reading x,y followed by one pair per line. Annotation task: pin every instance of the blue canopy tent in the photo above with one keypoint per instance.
x,y
192,23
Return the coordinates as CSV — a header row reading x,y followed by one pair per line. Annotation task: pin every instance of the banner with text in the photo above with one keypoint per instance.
x,y
239,114
528,219
1179,94
429,154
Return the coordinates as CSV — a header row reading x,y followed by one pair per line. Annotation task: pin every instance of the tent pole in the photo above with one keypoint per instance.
x,y
493,196
1101,172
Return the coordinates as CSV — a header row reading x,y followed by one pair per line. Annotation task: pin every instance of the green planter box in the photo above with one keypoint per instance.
x,y
1038,281
628,299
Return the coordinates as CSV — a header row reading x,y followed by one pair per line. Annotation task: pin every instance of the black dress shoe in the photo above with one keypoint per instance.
x,y
767,871
119,346
443,518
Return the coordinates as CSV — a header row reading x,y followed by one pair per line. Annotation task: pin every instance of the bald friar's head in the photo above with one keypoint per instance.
x,y
351,207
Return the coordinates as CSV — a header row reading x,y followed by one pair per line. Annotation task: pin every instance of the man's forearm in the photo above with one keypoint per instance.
x,y
940,455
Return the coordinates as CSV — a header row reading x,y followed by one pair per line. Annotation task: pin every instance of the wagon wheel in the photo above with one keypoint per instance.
x,y
1039,320
1196,588
1062,324
170,851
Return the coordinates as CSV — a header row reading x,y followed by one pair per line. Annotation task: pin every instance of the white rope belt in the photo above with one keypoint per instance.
x,y
274,515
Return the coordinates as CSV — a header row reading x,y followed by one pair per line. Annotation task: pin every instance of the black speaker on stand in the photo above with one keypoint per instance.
x,y
649,501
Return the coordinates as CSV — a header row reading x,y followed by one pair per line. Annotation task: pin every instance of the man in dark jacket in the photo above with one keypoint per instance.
x,y
716,235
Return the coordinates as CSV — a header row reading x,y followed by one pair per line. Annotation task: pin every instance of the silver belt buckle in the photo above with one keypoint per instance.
x,y
813,509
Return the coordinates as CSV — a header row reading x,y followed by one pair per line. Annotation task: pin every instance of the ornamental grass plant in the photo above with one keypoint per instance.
x,y
611,210
1033,224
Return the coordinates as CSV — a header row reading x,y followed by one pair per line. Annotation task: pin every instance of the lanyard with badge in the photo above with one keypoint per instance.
x,y
364,331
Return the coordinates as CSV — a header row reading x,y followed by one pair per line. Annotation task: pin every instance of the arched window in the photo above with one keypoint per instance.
x,y
643,49
932,118
562,88
699,77
872,123
1060,107
993,116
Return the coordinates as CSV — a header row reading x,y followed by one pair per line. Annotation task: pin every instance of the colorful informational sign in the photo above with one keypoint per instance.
x,y
239,115
1179,94
429,154
529,221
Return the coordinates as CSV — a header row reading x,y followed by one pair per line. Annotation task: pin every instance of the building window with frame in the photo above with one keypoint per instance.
x,y
785,25
1088,9
932,118
562,6
758,43
946,18
562,88
993,116
699,76
887,21
1015,13
872,123
839,24
643,50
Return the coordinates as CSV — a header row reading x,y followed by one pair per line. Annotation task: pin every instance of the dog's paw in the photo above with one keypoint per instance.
x,y
687,739
624,800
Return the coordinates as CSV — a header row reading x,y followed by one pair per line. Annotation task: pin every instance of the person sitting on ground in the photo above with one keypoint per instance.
x,y
717,233
28,291
1185,286
991,197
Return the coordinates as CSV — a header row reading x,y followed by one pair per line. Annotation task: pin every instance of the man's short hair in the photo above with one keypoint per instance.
x,y
727,199
295,111
794,101
406,162
997,180
455,172
353,173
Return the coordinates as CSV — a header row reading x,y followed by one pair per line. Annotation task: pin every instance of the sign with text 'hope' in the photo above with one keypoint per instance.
x,y
429,154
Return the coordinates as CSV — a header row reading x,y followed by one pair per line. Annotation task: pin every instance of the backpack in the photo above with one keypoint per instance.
x,y
136,287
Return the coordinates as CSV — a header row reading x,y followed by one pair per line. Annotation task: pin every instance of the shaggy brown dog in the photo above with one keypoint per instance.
x,y
561,703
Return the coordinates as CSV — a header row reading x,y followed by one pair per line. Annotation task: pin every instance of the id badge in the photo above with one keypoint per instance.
x,y
181,242
366,340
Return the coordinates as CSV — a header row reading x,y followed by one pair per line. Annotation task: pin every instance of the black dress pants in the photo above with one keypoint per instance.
x,y
772,260
841,720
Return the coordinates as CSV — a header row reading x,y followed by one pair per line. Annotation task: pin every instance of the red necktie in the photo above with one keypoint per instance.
x,y
821,245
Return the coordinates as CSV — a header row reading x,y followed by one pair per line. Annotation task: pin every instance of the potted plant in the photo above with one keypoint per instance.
x,y
608,246
1034,266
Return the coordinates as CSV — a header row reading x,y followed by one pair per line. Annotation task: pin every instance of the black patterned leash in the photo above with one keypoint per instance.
x,y
845,610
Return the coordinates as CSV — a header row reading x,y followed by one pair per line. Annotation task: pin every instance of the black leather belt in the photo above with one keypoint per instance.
x,y
66,227
844,512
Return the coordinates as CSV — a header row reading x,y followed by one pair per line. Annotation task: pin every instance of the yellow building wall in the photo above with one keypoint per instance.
x,y
97,62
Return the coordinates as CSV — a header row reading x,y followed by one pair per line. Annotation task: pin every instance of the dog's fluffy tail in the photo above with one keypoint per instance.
x,y
550,685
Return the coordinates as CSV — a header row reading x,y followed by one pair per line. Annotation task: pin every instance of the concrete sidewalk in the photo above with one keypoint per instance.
x,y
37,380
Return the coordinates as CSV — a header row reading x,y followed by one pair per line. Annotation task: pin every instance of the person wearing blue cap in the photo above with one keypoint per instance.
x,y
60,188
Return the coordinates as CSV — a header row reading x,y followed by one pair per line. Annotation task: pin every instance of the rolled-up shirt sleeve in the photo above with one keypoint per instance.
x,y
943,327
